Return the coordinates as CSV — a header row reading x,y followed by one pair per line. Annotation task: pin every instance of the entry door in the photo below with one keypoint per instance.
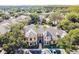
x,y
40,39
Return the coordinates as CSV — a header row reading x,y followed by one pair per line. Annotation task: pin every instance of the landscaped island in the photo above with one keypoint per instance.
x,y
39,29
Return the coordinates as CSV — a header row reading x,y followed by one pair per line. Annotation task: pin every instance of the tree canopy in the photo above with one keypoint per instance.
x,y
73,9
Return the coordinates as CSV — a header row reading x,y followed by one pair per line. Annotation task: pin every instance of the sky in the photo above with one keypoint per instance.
x,y
39,2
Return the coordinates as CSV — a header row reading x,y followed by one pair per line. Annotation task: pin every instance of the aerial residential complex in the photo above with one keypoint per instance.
x,y
39,29
45,36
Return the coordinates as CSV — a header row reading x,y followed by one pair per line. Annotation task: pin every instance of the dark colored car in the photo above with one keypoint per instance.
x,y
35,51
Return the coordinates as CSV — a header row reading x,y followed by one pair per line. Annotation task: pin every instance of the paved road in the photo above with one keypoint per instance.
x,y
40,46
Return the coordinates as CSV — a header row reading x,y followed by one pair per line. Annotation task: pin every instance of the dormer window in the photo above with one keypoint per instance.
x,y
30,44
30,39
34,38
58,36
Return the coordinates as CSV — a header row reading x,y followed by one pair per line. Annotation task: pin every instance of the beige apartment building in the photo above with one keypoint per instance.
x,y
41,35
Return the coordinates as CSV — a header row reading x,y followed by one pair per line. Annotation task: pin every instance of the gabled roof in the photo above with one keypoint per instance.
x,y
30,33
62,33
27,28
40,17
47,33
49,30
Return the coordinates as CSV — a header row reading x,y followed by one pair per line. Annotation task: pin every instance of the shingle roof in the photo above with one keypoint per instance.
x,y
3,30
4,27
30,33
52,31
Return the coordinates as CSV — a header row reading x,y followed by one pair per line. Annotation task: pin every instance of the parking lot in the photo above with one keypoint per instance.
x,y
40,51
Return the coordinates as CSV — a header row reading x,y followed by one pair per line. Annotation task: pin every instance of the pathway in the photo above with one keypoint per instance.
x,y
40,46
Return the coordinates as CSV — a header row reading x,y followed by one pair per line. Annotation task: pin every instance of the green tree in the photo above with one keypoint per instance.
x,y
6,17
73,9
14,39
64,24
36,26
34,18
5,46
70,41
67,25
74,35
55,17
72,17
